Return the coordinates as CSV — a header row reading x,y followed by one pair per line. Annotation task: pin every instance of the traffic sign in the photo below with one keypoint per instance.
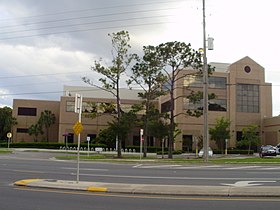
x,y
78,127
9,135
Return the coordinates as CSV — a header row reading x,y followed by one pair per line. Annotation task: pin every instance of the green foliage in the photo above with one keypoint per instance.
x,y
35,130
112,74
147,74
46,119
196,98
220,132
172,58
250,137
6,121
108,137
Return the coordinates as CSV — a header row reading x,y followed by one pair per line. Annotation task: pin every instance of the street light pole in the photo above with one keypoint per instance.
x,y
205,91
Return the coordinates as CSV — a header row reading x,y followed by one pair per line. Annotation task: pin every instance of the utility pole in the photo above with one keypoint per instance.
x,y
205,92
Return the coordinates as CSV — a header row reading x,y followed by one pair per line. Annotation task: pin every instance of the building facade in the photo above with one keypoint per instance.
x,y
242,96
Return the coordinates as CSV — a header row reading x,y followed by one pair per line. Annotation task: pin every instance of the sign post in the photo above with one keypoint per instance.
x,y
141,142
88,140
9,135
78,127
226,146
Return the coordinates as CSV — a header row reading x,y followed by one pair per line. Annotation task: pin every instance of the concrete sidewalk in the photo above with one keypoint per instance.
x,y
187,190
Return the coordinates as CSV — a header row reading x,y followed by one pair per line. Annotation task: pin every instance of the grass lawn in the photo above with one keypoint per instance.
x,y
134,158
5,151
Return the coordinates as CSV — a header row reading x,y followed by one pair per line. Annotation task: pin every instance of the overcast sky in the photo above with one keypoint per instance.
x,y
47,44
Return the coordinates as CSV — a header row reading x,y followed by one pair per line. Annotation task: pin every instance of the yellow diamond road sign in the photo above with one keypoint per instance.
x,y
78,127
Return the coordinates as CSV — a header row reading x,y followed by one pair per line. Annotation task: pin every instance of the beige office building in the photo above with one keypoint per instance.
x,y
242,96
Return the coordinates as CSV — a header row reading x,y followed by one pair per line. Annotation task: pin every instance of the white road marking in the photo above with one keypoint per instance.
x,y
160,166
247,183
198,167
137,166
86,169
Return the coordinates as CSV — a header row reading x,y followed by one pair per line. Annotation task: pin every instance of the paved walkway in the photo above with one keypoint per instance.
x,y
187,190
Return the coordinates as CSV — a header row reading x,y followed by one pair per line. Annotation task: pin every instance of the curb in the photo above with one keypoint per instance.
x,y
60,184
179,190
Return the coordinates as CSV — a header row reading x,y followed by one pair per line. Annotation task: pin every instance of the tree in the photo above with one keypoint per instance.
x,y
107,136
220,132
250,137
112,74
6,121
172,58
147,75
46,119
35,130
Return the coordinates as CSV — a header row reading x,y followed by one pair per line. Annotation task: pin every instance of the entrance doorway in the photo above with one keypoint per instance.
x,y
187,143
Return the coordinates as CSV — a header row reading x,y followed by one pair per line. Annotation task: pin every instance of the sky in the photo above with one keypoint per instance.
x,y
45,45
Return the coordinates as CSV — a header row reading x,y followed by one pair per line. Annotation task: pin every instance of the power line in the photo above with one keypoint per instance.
x,y
80,30
38,83
82,24
40,75
87,17
92,9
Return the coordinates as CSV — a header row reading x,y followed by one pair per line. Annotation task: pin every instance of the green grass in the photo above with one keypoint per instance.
x,y
5,151
134,158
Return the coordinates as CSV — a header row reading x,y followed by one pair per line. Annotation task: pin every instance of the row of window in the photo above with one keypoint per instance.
x,y
214,105
247,100
96,107
213,82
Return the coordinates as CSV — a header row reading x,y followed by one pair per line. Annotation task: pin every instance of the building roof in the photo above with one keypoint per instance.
x,y
93,92
220,67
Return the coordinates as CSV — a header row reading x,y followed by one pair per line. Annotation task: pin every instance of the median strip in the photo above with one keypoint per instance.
x,y
25,182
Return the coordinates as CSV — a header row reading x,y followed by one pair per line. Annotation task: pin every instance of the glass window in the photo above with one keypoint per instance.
x,y
193,81
217,82
247,97
70,106
22,130
25,111
218,105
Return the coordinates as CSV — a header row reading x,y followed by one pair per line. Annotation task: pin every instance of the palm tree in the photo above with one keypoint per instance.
x,y
35,130
47,119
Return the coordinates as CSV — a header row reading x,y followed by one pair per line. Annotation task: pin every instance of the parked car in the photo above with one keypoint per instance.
x,y
278,149
267,150
201,152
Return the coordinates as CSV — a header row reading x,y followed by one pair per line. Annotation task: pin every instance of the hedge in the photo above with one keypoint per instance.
x,y
47,145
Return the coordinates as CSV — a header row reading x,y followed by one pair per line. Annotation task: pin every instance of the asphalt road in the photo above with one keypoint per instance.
x,y
25,165
41,165
39,199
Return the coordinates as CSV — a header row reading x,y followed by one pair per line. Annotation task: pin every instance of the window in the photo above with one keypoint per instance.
x,y
70,106
188,105
193,81
217,82
197,81
165,107
22,130
218,105
213,105
24,111
247,98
